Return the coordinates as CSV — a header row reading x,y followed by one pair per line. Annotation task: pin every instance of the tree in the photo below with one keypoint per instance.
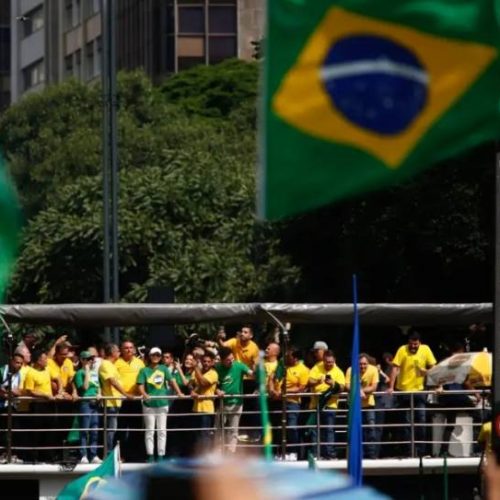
x,y
186,200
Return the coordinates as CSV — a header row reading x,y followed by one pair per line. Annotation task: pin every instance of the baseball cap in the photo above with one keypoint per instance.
x,y
155,350
85,355
319,344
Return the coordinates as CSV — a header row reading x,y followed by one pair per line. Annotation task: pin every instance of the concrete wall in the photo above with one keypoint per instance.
x,y
250,25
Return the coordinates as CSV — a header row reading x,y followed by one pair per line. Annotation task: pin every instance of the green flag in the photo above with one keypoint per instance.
x,y
360,94
82,486
10,221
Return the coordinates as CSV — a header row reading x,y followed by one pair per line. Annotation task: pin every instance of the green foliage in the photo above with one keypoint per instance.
x,y
186,214
214,91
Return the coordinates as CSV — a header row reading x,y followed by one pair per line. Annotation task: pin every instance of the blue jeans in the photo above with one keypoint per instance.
x,y
419,417
292,420
89,419
112,425
369,450
383,402
327,428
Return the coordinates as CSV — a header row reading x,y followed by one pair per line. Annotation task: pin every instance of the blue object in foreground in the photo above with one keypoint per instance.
x,y
176,479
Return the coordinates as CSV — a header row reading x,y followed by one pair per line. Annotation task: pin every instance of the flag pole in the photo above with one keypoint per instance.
x,y
495,427
284,338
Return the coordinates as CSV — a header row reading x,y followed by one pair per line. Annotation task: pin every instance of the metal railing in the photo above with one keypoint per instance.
x,y
403,424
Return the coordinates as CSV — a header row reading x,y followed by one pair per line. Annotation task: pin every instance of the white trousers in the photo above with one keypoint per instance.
x,y
231,422
155,417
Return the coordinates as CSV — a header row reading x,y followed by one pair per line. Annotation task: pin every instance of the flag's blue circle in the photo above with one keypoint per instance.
x,y
375,83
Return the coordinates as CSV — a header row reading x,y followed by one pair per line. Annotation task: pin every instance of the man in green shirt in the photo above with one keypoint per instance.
x,y
86,383
231,375
153,381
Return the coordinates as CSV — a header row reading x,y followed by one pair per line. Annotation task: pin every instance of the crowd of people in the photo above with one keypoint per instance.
x,y
132,395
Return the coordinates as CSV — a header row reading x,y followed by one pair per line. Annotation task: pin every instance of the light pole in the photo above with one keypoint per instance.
x,y
110,161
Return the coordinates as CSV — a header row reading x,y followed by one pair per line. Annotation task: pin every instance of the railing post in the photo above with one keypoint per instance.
x,y
222,426
9,426
412,424
105,429
318,430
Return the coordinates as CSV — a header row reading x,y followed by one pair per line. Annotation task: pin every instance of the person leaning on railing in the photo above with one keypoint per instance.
x,y
205,385
86,382
368,381
111,388
12,369
153,381
38,384
409,367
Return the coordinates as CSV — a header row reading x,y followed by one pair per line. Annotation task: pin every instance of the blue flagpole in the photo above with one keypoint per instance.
x,y
354,431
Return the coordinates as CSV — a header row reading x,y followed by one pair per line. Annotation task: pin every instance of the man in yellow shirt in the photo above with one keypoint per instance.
x,y
368,381
128,366
111,387
38,385
325,376
297,376
271,355
206,379
409,367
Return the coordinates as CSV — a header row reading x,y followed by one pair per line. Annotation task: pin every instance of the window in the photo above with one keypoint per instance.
x,y
68,14
191,20
68,66
77,62
222,19
220,48
97,56
33,21
34,74
4,49
89,60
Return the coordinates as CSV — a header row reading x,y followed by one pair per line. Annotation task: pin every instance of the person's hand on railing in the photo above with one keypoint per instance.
x,y
194,395
389,390
145,396
219,393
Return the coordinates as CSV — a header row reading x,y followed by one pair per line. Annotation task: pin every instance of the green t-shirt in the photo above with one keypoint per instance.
x,y
184,388
156,383
231,380
93,389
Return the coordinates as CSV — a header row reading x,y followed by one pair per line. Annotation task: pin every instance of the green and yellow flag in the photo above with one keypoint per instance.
x,y
10,221
362,93
82,487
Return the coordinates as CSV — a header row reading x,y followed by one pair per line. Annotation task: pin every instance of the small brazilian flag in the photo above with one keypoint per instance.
x,y
363,93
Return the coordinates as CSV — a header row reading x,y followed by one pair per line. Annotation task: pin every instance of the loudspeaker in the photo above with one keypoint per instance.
x,y
161,335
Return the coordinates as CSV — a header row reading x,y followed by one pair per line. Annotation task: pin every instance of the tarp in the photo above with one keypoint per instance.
x,y
99,315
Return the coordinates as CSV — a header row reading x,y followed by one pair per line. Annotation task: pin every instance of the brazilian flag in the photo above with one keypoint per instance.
x,y
10,221
361,93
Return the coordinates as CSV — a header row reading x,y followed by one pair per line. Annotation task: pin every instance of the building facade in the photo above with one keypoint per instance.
x,y
4,53
52,40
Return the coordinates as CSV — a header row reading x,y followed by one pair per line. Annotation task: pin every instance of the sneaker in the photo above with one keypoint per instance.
x,y
15,460
244,438
96,460
3,459
151,459
84,460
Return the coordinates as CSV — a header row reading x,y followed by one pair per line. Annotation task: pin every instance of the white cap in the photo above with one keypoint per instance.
x,y
319,344
155,350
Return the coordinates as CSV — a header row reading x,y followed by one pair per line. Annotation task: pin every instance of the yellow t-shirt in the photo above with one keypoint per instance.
x,y
128,371
66,371
295,376
249,355
108,370
485,436
38,380
368,378
270,368
409,379
318,372
206,405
